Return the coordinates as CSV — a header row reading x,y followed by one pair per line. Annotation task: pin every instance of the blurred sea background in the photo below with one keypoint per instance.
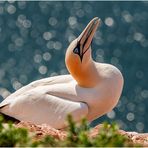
x,y
34,37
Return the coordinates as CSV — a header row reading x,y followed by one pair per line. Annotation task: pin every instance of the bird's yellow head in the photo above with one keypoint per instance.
x,y
78,54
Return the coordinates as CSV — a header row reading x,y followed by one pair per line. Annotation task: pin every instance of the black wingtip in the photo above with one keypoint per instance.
x,y
7,119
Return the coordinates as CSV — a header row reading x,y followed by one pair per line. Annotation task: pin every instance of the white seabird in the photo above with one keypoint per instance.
x,y
90,90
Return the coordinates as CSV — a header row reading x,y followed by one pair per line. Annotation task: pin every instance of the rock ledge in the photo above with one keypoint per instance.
x,y
44,129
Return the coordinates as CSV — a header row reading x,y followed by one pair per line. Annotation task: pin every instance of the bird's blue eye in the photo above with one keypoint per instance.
x,y
76,50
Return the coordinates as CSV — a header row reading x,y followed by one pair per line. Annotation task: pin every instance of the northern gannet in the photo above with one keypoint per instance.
x,y
90,90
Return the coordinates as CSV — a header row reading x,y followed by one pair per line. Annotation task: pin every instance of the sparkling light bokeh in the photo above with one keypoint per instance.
x,y
34,37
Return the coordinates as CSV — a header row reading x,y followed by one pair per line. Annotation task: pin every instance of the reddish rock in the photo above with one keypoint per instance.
x,y
44,129
94,131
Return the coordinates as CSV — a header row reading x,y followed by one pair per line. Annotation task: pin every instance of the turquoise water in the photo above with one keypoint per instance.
x,y
34,37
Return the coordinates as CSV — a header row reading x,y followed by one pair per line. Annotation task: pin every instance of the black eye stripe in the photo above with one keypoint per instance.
x,y
77,49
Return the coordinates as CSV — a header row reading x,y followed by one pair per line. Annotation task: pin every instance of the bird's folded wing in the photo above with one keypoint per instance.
x,y
47,109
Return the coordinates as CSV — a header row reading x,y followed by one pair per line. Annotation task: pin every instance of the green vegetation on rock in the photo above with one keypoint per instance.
x,y
11,136
77,135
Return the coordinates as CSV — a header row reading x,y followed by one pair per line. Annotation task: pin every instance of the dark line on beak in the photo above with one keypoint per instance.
x,y
78,43
88,34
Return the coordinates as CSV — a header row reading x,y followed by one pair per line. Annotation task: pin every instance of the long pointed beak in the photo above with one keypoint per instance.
x,y
86,37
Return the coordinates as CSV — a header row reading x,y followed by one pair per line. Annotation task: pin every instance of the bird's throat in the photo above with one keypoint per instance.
x,y
86,77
